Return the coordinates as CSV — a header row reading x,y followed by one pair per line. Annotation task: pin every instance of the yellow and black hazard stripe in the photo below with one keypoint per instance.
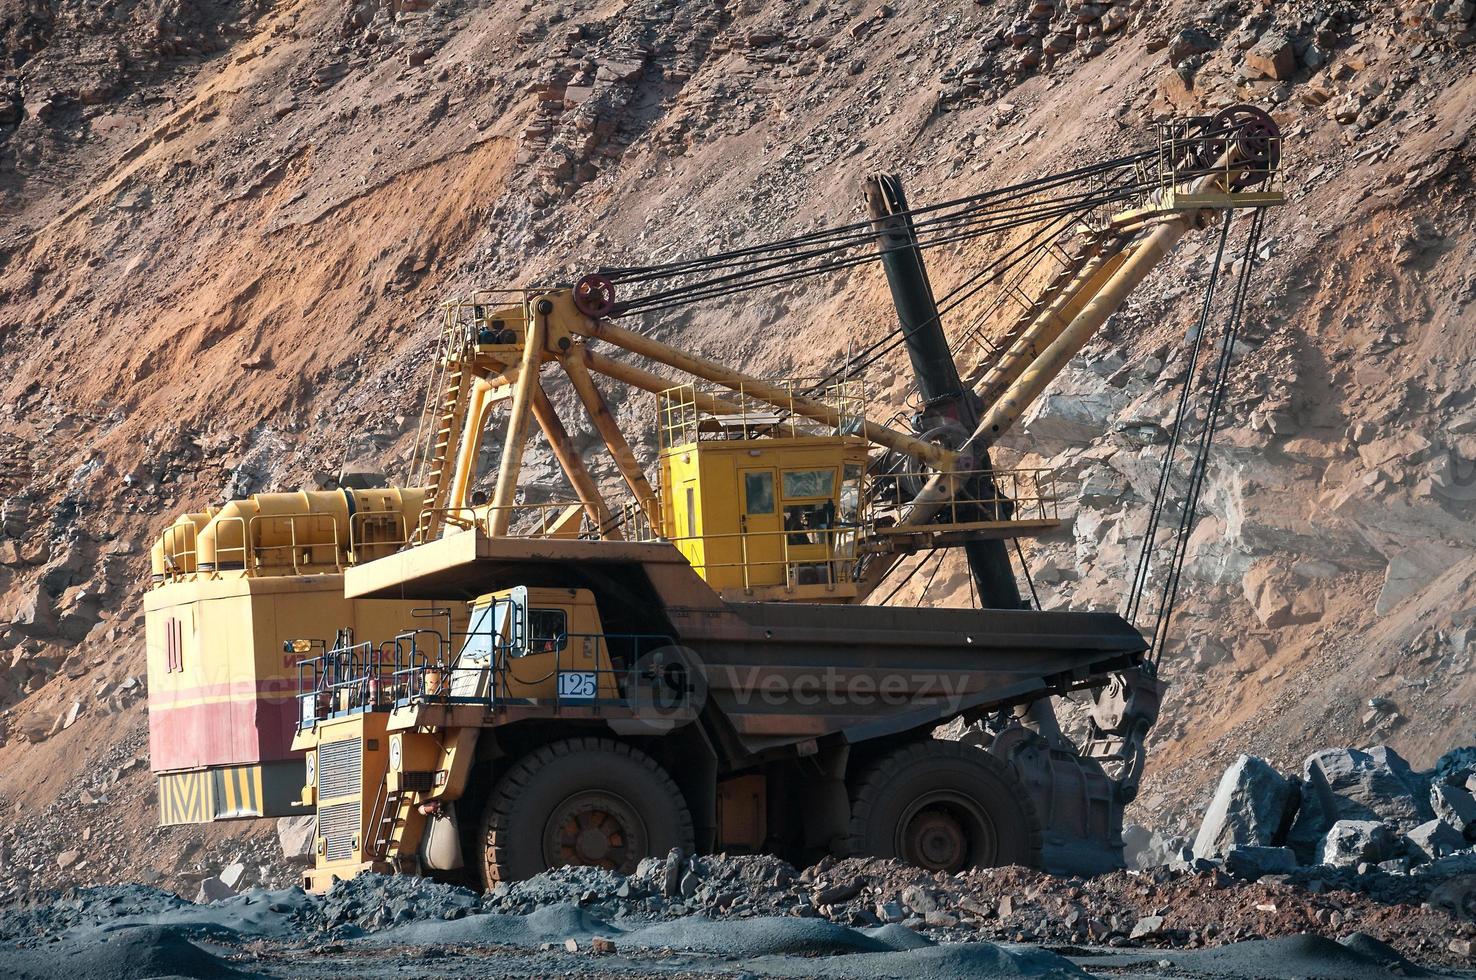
x,y
185,797
237,792
230,793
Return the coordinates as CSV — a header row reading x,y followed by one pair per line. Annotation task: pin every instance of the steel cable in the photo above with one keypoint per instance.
x,y
1207,434
754,278
1165,472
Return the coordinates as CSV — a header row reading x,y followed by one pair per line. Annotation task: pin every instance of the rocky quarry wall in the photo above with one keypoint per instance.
x,y
224,227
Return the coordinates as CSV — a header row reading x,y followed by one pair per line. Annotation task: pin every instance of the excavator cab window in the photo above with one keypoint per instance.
x,y
807,523
809,505
808,483
758,492
850,496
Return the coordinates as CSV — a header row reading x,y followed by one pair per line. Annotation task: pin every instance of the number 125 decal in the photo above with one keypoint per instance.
x,y
577,685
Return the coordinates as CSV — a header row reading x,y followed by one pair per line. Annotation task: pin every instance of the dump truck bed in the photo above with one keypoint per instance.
x,y
784,672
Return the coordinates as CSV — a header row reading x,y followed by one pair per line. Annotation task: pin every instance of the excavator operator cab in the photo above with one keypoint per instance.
x,y
764,503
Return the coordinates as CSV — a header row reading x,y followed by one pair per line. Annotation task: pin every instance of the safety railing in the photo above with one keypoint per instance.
x,y
989,496
497,660
365,540
180,557
488,316
222,554
364,677
478,320
789,557
341,681
371,534
1242,152
682,418
553,519
985,348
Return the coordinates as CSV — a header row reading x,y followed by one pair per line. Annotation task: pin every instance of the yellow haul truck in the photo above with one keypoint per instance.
x,y
497,689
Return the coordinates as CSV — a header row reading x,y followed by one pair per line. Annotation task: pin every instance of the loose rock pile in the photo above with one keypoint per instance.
x,y
1164,909
1364,811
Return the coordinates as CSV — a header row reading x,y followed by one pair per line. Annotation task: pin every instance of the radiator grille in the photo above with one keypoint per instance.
x,y
340,769
339,825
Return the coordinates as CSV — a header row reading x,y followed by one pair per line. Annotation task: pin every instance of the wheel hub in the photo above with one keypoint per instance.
x,y
594,828
945,831
939,841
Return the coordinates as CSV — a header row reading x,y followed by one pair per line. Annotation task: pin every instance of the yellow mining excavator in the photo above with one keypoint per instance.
x,y
498,688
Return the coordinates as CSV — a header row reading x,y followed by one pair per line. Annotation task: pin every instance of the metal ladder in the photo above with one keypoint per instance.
x,y
438,460
386,822
1069,266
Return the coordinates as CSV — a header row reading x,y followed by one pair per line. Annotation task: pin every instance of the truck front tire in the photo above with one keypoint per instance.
x,y
582,801
944,807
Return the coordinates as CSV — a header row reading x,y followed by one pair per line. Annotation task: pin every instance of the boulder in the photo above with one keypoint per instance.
x,y
1273,56
296,835
1266,590
1254,862
1374,785
1350,843
1455,806
1101,484
671,875
1188,43
232,875
1143,848
1076,410
1146,927
36,615
212,889
1434,839
1456,897
1412,570
1249,809
1456,765
1459,863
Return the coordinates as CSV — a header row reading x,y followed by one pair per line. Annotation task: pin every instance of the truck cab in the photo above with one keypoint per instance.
x,y
536,645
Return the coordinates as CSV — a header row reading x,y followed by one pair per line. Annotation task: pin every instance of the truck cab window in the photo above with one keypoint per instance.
x,y
548,630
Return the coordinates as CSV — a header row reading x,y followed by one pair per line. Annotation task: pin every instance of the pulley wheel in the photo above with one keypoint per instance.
x,y
594,296
1255,138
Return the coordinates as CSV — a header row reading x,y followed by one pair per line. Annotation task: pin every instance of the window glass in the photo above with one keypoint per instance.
x,y
808,483
807,523
548,630
691,513
485,631
850,495
758,492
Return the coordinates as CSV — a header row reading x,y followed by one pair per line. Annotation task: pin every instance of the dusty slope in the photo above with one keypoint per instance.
x,y
225,230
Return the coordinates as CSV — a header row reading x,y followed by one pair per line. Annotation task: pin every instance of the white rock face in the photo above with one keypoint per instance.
x,y
213,890
1076,410
232,875
296,836
1411,570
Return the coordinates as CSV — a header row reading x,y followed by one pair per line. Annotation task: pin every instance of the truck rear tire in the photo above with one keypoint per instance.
x,y
583,801
944,807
